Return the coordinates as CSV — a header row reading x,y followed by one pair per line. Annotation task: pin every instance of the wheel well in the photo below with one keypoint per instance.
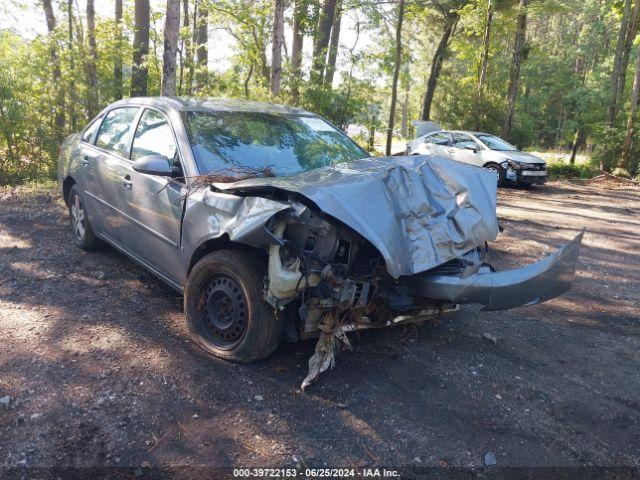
x,y
490,163
67,184
221,243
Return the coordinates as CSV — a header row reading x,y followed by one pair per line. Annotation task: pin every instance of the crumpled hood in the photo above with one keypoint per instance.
x,y
418,211
522,157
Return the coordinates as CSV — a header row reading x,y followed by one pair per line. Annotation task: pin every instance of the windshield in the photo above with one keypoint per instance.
x,y
284,144
495,143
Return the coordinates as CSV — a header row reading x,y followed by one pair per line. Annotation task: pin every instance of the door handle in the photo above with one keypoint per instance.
x,y
86,160
126,182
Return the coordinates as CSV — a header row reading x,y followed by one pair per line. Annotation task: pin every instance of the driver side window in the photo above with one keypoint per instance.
x,y
153,137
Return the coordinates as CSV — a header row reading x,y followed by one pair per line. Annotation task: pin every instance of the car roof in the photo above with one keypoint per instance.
x,y
468,132
211,104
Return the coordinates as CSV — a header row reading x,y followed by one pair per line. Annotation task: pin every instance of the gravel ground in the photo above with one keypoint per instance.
x,y
95,357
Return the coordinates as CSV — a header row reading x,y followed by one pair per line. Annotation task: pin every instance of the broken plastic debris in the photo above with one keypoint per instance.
x,y
490,459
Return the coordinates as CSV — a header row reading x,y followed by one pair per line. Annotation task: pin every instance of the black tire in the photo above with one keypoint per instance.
x,y
83,235
226,313
499,171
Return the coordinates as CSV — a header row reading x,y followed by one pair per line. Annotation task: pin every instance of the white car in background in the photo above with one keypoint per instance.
x,y
484,150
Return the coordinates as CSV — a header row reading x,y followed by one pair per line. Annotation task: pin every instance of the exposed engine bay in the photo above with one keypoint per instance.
x,y
328,280
323,266
382,242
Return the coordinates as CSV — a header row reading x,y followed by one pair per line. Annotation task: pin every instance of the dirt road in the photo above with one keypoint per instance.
x,y
95,356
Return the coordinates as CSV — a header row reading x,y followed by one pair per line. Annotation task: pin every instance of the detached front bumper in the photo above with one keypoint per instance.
x,y
529,285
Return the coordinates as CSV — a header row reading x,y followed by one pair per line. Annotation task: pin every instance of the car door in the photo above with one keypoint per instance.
x,y
153,205
85,174
105,162
437,144
465,149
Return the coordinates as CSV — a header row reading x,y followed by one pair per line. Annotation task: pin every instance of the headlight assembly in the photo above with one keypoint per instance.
x,y
514,164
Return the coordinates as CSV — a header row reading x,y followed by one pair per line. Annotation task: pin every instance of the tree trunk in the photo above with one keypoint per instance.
x,y
276,47
186,46
630,36
514,77
404,122
612,111
628,136
396,74
140,70
484,60
436,64
333,45
296,49
261,46
191,53
372,137
578,140
202,42
171,29
55,71
321,41
72,67
117,64
247,80
92,74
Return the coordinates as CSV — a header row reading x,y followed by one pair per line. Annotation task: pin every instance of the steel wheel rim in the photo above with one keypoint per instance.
x,y
223,311
78,218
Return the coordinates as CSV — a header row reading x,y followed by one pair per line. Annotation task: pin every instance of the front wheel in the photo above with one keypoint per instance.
x,y
226,313
83,235
498,170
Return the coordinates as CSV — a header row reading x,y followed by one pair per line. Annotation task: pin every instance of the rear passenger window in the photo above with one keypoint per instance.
x,y
438,138
115,131
87,136
153,137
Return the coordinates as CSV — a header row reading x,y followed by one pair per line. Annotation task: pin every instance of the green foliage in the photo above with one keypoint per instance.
x,y
559,170
341,106
621,172
27,140
608,147
564,83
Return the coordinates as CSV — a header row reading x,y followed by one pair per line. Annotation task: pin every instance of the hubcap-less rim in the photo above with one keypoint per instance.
x,y
78,218
223,311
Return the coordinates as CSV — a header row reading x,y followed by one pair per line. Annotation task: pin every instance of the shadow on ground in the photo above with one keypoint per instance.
x,y
97,361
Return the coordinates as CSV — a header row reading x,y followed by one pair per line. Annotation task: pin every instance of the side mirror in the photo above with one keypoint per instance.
x,y
474,148
154,165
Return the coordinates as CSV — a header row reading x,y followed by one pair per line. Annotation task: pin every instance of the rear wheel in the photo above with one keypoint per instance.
x,y
226,313
499,172
83,235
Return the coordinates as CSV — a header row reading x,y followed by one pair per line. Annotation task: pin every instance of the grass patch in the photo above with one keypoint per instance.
x,y
564,171
31,188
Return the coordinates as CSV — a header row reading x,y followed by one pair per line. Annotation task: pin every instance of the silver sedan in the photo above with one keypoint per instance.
x,y
273,223
510,165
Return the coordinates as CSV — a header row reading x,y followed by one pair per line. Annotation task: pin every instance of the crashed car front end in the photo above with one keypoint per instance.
x,y
379,242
